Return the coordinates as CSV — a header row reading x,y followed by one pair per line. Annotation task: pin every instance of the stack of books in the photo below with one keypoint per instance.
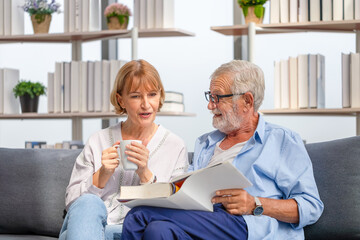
x,y
60,145
153,14
174,102
11,17
292,11
8,79
350,64
299,82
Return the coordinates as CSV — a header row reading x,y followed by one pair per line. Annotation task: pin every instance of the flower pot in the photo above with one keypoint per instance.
x,y
117,22
29,104
41,23
254,14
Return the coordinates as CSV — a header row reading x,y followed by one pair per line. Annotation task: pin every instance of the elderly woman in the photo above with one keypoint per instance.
x,y
97,177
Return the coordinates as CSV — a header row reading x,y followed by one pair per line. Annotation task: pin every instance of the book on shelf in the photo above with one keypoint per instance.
x,y
320,80
284,83
274,11
142,24
75,144
357,9
67,87
136,15
284,11
355,80
58,87
293,7
191,191
78,15
90,87
337,10
277,85
8,80
150,14
98,86
303,11
81,15
171,96
164,13
75,95
50,92
35,144
345,80
13,17
312,80
348,9
105,85
94,15
1,17
303,89
172,107
85,13
315,10
326,10
83,86
293,77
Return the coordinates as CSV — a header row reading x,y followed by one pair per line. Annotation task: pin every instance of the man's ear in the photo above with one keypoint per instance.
x,y
120,100
249,100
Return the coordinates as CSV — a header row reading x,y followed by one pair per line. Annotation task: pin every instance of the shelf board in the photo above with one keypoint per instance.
x,y
93,36
324,111
347,26
83,115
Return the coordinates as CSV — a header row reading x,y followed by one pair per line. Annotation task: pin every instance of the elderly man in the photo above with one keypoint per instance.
x,y
284,197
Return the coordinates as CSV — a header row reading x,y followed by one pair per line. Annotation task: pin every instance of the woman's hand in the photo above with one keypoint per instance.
x,y
139,154
109,162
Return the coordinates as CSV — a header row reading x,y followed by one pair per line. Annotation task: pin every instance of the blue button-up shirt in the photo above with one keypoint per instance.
x,y
275,160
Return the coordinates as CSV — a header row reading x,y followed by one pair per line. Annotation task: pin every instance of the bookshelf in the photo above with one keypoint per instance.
x,y
344,26
76,39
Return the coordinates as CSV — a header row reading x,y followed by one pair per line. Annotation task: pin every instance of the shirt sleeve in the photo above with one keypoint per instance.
x,y
296,180
182,163
81,180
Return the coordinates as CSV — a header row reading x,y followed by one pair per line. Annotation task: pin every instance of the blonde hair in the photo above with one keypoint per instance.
x,y
131,76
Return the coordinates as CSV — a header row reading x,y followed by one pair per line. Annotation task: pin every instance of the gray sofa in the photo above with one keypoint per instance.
x,y
33,182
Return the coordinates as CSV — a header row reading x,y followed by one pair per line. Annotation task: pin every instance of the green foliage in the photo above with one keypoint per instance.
x,y
259,10
248,3
27,87
122,18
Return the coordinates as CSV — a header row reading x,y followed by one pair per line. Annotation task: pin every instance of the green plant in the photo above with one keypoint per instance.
x,y
257,4
121,11
40,8
27,87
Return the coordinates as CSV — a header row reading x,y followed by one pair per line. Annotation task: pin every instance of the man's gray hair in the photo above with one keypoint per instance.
x,y
246,76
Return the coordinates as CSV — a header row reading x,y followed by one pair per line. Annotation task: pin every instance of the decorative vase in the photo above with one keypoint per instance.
x,y
41,23
254,14
29,104
118,22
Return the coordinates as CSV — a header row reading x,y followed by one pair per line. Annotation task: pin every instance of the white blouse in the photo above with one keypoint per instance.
x,y
168,158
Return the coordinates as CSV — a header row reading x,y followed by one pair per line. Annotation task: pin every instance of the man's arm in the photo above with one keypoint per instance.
x,y
239,202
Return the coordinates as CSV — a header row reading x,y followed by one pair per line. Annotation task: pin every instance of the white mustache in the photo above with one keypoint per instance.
x,y
215,111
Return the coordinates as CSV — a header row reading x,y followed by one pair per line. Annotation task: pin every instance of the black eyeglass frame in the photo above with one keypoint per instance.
x,y
209,96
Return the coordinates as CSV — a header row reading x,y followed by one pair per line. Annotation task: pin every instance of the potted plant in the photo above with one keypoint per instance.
x,y
40,12
29,93
117,16
253,10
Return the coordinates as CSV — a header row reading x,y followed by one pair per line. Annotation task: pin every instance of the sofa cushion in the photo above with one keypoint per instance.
x,y
337,174
32,187
25,237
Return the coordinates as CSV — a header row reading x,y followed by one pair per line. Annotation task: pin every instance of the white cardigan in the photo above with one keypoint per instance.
x,y
168,158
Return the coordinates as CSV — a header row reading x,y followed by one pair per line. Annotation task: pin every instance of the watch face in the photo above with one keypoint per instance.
x,y
258,210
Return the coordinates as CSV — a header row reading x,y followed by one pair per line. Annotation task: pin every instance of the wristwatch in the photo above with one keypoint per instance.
x,y
258,211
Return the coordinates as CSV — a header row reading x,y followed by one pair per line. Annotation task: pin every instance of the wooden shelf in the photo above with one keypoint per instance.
x,y
346,26
93,36
83,115
325,111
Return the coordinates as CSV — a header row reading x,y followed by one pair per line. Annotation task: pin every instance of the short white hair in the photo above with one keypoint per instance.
x,y
246,76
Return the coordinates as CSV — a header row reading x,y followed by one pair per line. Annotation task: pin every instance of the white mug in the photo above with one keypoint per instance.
x,y
127,165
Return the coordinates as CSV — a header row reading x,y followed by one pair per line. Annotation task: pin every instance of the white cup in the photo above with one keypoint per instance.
x,y
127,165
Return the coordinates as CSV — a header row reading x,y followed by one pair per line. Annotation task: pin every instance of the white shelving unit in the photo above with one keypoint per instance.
x,y
76,39
346,26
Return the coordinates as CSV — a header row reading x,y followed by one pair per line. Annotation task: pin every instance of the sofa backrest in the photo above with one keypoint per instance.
x,y
337,173
32,189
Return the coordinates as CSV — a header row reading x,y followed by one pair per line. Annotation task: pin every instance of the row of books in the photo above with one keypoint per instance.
x,y
61,145
8,79
82,15
292,11
82,86
174,102
299,82
153,14
350,64
11,17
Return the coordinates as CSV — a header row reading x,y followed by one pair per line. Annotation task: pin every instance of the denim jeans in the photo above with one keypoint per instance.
x,y
86,219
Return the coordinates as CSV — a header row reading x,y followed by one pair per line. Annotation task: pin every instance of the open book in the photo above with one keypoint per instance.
x,y
191,191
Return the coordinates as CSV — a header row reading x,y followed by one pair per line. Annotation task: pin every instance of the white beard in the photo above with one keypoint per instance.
x,y
228,121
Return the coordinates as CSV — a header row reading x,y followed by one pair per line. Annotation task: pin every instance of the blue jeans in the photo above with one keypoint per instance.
x,y
87,220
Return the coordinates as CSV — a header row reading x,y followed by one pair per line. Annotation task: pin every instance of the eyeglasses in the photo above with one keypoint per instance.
x,y
215,98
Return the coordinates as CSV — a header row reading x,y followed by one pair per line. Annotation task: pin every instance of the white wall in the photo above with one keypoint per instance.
x,y
184,64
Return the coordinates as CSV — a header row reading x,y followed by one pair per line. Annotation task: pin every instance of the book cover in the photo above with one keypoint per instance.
x,y
320,80
50,92
357,9
94,15
72,14
169,106
10,78
312,81
338,10
284,11
143,17
85,11
355,80
314,10
326,10
348,9
195,190
1,17
66,16
303,11
345,80
58,87
105,86
83,86
137,13
90,87
277,86
303,81
293,75
275,11
75,94
294,11
78,15
7,17
67,87
98,86
284,84
17,17
150,14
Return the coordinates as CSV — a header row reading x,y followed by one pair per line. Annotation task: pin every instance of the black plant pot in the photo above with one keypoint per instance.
x,y
29,104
